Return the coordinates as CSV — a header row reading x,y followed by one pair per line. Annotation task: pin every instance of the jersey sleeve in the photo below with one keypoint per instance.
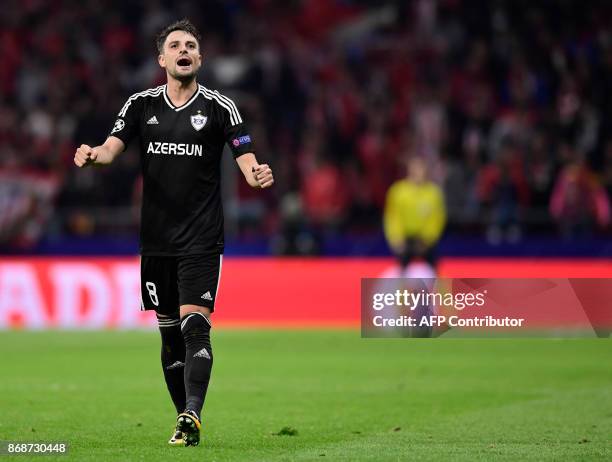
x,y
128,120
235,130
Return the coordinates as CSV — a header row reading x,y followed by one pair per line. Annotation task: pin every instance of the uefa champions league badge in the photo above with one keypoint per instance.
x,y
198,121
119,125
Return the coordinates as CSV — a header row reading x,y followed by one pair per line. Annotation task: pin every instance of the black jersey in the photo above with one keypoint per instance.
x,y
180,151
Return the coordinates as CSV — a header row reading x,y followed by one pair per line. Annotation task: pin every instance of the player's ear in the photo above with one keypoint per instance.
x,y
161,59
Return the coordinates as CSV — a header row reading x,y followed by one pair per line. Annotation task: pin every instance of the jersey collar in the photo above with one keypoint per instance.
x,y
180,108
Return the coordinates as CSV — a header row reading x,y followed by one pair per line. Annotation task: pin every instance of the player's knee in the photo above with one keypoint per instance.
x,y
187,309
195,327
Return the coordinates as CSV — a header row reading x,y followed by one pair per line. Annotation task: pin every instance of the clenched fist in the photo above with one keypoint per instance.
x,y
263,175
84,156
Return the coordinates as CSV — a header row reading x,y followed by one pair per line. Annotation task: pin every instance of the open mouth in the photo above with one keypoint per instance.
x,y
184,62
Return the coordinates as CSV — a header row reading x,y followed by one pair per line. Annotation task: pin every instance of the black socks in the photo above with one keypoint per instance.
x,y
198,359
173,360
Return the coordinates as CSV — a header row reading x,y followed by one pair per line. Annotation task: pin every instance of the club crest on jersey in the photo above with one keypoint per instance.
x,y
198,121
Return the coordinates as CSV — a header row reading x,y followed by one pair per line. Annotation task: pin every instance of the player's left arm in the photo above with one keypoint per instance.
x,y
239,141
257,175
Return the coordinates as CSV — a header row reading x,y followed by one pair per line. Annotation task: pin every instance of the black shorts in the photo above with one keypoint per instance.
x,y
166,283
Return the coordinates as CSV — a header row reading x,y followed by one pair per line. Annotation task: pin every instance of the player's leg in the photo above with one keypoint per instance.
x,y
198,282
173,358
173,366
160,293
407,254
195,326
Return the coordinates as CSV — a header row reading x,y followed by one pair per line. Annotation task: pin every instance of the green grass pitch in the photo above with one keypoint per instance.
x,y
348,398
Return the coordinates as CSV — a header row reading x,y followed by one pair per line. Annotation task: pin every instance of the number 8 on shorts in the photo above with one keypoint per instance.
x,y
152,292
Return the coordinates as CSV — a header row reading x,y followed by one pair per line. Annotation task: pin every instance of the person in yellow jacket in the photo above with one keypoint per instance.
x,y
415,215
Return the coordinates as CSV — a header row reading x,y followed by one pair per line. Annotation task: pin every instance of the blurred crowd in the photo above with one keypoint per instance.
x,y
508,102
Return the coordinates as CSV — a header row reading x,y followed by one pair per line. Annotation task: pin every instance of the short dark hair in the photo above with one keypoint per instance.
x,y
184,25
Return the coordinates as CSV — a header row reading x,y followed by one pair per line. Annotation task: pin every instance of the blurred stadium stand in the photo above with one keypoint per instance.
x,y
510,102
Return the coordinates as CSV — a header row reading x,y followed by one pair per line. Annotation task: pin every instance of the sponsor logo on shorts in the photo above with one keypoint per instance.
x,y
207,296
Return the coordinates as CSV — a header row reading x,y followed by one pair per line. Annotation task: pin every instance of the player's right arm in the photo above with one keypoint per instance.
x,y
124,129
100,155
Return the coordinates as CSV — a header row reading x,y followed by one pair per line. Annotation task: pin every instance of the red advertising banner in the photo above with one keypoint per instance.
x,y
95,293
